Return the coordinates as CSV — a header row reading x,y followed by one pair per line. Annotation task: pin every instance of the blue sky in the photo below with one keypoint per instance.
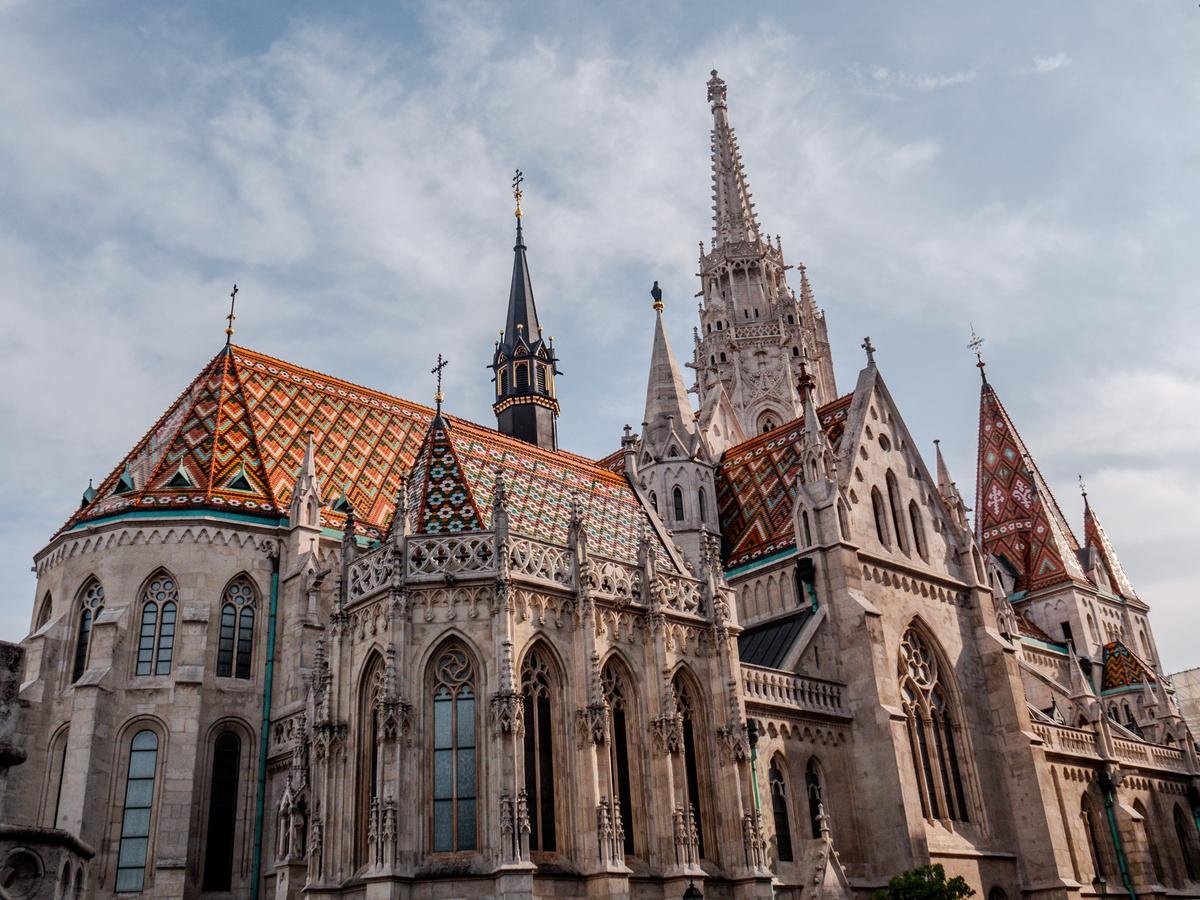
x,y
1029,168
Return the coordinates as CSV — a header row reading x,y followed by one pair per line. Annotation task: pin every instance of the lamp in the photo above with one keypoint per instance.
x,y
1100,885
692,892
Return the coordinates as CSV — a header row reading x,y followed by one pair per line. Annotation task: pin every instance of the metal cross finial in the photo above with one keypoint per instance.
x,y
231,316
1083,489
975,345
518,180
870,348
437,370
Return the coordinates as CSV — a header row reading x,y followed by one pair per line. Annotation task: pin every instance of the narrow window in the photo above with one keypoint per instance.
x,y
1183,831
677,500
918,529
454,765
718,329
156,639
722,357
370,694
522,376
816,796
843,521
43,615
893,491
795,351
55,770
541,379
615,687
807,529
135,821
91,603
222,812
702,502
1089,824
539,752
881,526
687,708
503,381
779,810
791,319
235,641
654,500
713,360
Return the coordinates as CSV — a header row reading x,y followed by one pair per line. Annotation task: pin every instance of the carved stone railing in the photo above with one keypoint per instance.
x,y
760,330
614,581
1078,741
535,559
794,692
371,573
1152,756
684,595
1083,742
436,556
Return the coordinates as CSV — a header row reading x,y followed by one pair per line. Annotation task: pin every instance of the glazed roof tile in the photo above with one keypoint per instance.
x,y
756,486
248,414
1123,668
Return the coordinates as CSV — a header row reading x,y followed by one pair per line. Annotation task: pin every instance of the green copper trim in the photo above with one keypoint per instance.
x,y
774,557
1122,863
1045,645
266,521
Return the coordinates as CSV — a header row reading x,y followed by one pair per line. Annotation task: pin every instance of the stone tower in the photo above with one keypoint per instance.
x,y
524,363
754,330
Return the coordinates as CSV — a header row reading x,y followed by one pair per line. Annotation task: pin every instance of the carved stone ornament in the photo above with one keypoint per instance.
x,y
735,742
666,732
591,724
507,712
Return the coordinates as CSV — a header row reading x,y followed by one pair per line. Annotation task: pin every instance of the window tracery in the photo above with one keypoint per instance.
x,y
156,638
91,602
615,689
539,750
235,642
779,811
455,771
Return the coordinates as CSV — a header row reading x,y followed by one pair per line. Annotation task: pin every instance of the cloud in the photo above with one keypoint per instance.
x,y
889,78
1045,64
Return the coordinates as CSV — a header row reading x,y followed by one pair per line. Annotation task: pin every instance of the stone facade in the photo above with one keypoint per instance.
x,y
759,648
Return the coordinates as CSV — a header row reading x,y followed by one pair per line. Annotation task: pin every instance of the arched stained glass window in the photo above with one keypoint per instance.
x,y
156,638
932,731
91,603
235,643
779,811
539,750
222,812
454,763
616,693
135,820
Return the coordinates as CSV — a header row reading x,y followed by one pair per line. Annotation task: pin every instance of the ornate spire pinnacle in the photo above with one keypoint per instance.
x,y
975,345
666,398
870,348
1083,491
733,213
517,181
229,318
438,396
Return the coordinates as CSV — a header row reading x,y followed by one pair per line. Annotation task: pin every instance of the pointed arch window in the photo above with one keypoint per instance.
x,y
43,614
370,691
815,789
779,811
135,819
702,502
235,643
1184,832
881,525
455,772
616,693
688,711
503,382
654,501
522,373
677,502
541,379
91,603
893,492
222,812
156,639
933,734
539,750
1088,814
918,530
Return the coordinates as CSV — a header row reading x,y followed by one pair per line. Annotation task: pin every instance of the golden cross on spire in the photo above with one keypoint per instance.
x,y
437,370
517,181
231,316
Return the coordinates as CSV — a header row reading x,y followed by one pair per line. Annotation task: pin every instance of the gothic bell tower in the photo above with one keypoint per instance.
x,y
755,332
524,364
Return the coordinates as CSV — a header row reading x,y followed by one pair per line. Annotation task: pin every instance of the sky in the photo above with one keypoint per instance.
x,y
1027,169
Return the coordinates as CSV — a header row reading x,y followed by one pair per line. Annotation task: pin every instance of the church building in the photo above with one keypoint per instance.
x,y
309,640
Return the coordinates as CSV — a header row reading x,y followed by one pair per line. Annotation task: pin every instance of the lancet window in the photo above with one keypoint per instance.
x,y
156,637
779,810
539,750
91,604
893,492
702,500
1091,825
369,752
881,525
932,730
918,529
815,788
135,819
688,709
235,643
1185,833
677,502
455,771
222,812
616,693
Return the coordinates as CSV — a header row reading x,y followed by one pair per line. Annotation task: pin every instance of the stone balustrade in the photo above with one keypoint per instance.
x,y
794,692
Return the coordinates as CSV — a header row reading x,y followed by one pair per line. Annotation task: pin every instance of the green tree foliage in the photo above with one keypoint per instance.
x,y
925,883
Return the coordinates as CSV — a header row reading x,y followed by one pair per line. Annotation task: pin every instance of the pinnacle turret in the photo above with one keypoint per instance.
x,y
667,405
734,219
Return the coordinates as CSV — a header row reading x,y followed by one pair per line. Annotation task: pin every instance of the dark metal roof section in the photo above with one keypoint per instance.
x,y
768,644
522,321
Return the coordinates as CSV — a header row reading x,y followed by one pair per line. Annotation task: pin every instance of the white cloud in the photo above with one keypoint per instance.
x,y
889,78
1044,64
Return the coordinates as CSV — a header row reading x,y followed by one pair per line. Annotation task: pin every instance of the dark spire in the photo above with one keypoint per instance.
x,y
525,364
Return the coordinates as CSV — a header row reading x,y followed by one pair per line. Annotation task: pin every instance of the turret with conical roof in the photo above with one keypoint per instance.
x,y
524,363
754,329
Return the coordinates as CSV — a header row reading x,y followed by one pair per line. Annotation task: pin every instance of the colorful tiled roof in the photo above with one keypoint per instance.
x,y
1016,515
756,485
1096,537
458,469
1123,668
238,433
